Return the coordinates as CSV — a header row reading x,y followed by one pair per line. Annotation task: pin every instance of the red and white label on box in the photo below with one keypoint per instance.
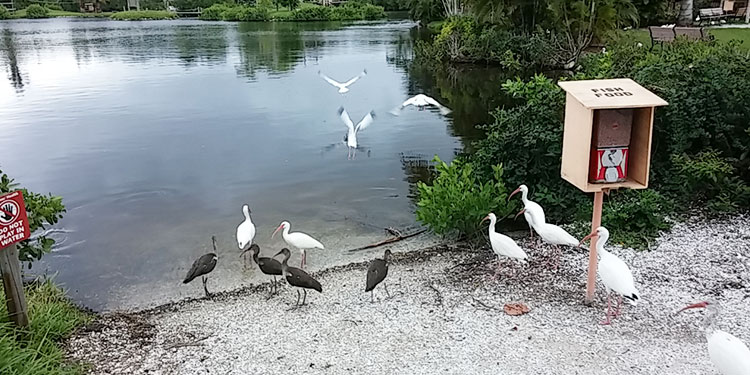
x,y
14,225
609,165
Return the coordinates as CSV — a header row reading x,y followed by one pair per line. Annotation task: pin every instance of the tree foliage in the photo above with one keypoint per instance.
x,y
43,211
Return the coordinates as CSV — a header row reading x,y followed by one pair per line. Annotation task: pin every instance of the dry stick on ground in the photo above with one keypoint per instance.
x,y
439,295
388,240
189,343
484,305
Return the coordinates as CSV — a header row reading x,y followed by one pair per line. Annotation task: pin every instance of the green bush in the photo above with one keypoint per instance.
x,y
634,217
707,178
527,139
42,211
36,11
457,200
462,39
5,13
52,6
143,15
348,12
214,12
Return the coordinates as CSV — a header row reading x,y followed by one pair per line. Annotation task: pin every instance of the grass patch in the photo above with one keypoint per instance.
x,y
36,350
143,15
723,35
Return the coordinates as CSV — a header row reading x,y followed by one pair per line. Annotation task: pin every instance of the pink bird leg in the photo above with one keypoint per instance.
x,y
609,311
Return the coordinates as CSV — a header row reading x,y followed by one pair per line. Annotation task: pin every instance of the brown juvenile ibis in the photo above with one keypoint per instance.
x,y
268,266
202,267
297,277
376,273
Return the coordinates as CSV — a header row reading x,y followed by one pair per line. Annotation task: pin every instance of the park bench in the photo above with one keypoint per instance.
x,y
691,33
740,13
661,34
711,14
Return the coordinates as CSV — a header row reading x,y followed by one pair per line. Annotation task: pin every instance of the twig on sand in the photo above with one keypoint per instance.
x,y
388,240
189,343
437,291
484,305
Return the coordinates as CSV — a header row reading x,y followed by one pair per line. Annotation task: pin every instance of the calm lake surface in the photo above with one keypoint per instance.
x,y
155,134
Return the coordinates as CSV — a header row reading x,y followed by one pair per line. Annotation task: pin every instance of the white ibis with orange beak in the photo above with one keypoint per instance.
x,y
615,274
503,245
301,241
529,207
550,233
728,353
246,229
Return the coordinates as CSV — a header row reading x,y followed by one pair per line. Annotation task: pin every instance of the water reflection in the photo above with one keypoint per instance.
x,y
275,47
417,168
201,44
11,59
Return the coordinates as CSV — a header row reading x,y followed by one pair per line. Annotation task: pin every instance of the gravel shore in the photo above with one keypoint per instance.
x,y
446,316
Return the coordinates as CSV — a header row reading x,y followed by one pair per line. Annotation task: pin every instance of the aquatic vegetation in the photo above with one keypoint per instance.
x,y
143,15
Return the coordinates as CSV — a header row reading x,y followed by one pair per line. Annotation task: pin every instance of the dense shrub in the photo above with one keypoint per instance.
x,y
245,13
143,15
4,13
426,10
634,217
462,39
42,211
350,11
36,11
214,12
52,6
708,179
457,200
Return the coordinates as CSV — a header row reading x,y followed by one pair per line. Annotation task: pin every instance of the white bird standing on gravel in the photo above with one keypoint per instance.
x,y
550,233
343,87
421,101
728,353
246,229
299,240
503,245
614,273
352,131
529,207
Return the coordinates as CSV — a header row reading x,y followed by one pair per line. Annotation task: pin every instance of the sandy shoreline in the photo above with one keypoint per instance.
x,y
446,317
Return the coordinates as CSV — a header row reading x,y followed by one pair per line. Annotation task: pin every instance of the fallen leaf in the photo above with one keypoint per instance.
x,y
515,309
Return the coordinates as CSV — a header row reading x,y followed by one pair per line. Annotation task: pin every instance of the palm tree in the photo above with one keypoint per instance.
x,y
686,13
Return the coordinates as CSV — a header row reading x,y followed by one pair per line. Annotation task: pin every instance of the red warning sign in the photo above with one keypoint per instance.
x,y
14,225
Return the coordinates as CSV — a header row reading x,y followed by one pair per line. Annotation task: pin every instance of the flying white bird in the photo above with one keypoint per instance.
x,y
351,134
420,101
502,245
299,240
343,87
728,353
246,229
529,207
615,274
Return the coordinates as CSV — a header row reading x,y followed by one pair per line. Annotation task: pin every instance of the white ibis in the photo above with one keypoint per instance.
x,y
529,207
503,245
201,267
268,266
297,277
728,353
376,274
343,87
421,101
614,273
351,134
550,233
301,241
246,229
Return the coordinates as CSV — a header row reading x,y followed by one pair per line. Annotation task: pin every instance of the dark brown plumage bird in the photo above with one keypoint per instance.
x,y
268,266
203,266
297,277
376,273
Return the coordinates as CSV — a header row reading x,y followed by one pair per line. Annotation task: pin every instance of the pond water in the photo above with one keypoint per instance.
x,y
156,133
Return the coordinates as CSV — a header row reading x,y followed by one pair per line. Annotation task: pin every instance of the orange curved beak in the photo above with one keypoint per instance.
x,y
698,305
519,212
277,229
592,234
514,193
485,218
